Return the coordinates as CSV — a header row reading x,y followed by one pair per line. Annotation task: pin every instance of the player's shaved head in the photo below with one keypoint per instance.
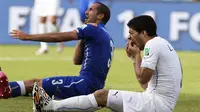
x,y
144,23
104,10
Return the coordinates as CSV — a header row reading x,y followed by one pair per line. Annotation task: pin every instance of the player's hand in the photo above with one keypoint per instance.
x,y
17,34
133,49
127,52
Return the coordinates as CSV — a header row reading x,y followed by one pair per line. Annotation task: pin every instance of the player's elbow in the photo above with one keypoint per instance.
x,y
143,81
77,62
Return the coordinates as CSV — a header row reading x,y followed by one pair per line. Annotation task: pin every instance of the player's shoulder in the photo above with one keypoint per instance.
x,y
155,44
89,26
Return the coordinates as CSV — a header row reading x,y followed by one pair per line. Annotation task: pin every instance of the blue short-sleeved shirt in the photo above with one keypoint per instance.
x,y
98,51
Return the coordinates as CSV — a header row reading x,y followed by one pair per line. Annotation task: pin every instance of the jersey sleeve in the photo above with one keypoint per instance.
x,y
87,32
151,56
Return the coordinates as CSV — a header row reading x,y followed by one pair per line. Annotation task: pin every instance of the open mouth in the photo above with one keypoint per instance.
x,y
86,18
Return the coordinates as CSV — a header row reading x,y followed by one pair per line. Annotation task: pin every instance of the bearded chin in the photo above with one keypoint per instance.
x,y
85,22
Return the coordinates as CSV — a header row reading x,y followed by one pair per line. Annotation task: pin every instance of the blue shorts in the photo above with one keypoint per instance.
x,y
84,5
68,86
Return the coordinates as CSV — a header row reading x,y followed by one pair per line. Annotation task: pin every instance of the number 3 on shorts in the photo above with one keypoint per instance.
x,y
55,82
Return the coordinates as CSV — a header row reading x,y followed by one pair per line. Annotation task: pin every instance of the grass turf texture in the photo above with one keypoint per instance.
x,y
20,63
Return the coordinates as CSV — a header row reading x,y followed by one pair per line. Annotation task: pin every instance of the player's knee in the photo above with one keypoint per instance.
x,y
53,19
29,84
43,20
101,97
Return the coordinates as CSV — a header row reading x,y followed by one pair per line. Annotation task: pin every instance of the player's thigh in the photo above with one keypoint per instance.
x,y
66,86
137,102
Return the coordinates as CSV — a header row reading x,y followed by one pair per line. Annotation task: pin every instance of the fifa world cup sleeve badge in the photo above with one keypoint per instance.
x,y
146,51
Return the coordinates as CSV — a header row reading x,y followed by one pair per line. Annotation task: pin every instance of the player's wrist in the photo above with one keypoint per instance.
x,y
28,37
137,55
132,59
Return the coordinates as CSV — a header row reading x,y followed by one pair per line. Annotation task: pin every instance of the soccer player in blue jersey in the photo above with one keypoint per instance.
x,y
94,51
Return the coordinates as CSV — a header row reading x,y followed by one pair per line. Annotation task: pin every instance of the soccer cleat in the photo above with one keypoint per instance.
x,y
42,102
41,51
5,91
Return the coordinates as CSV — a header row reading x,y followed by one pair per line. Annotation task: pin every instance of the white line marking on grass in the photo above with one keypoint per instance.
x,y
34,59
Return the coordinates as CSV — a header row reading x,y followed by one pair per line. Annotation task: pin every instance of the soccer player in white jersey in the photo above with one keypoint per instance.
x,y
44,9
159,72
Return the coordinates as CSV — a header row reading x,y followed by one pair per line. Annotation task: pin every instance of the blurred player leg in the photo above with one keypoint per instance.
x,y
42,29
54,28
42,13
54,6
48,8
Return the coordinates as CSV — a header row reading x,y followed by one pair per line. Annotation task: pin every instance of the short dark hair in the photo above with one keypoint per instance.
x,y
104,10
144,23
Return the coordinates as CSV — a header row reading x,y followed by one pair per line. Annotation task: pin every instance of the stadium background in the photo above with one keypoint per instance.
x,y
178,21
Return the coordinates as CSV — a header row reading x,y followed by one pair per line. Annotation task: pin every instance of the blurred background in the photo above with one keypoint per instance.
x,y
178,22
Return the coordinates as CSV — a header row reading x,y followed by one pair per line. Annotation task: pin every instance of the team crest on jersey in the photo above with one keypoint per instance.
x,y
146,51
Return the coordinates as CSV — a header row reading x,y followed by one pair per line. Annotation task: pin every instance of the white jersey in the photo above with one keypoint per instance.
x,y
166,81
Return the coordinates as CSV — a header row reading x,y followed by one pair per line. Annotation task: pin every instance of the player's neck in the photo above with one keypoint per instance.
x,y
99,22
147,39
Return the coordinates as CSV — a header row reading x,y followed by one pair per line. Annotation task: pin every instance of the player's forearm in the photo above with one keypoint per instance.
x,y
78,55
137,66
53,37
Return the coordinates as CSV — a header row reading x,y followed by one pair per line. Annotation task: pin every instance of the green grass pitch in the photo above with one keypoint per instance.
x,y
20,63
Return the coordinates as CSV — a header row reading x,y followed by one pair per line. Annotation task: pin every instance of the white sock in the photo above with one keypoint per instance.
x,y
76,104
42,29
115,100
22,87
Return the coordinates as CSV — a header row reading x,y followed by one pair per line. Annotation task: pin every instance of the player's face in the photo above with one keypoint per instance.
x,y
91,14
136,38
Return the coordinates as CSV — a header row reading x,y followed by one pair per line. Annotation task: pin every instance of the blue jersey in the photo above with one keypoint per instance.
x,y
84,4
98,52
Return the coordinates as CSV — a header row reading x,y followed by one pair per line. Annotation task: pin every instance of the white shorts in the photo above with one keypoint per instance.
x,y
46,7
126,101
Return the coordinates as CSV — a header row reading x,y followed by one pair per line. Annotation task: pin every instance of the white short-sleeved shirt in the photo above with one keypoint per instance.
x,y
166,81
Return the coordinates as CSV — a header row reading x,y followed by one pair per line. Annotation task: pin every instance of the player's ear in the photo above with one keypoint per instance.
x,y
143,33
100,16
